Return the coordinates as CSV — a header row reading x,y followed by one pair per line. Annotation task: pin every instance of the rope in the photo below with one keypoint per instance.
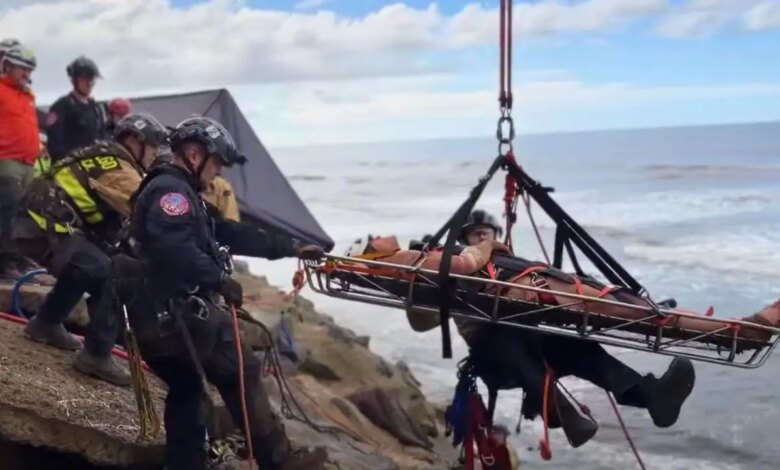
x,y
625,430
544,445
240,354
16,303
148,419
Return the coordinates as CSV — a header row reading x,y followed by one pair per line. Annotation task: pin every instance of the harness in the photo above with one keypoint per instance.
x,y
61,201
470,424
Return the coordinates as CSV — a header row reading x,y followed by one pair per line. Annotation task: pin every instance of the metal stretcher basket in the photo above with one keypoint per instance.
x,y
408,287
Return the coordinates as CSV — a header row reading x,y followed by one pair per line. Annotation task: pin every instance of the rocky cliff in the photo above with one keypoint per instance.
x,y
367,412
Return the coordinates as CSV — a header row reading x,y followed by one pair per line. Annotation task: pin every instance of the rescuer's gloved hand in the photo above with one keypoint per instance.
x,y
309,252
232,291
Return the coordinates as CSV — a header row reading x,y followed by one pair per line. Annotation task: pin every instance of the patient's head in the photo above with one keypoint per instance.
x,y
480,226
370,244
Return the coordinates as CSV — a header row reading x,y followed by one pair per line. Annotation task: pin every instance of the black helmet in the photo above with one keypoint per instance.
x,y
144,126
83,66
209,133
480,218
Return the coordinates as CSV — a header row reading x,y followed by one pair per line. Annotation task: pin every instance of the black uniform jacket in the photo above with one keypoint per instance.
x,y
176,237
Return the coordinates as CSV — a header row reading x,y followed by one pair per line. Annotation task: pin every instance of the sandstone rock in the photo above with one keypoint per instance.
x,y
44,402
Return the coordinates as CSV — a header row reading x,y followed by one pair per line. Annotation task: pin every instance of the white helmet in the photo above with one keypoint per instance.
x,y
20,56
358,248
6,44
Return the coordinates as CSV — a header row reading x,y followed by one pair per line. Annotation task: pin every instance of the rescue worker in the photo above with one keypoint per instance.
x,y
19,147
71,222
6,44
185,269
513,358
76,120
116,109
220,194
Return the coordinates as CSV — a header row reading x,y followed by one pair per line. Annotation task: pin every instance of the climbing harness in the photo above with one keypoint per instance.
x,y
469,424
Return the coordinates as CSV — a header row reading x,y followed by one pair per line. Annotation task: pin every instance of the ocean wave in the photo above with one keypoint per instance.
x,y
306,178
596,208
670,172
744,252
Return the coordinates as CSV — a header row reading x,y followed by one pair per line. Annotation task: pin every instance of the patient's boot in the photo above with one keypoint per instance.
x,y
665,395
579,429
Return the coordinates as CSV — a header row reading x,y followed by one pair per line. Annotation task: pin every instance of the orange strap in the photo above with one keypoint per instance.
x,y
491,269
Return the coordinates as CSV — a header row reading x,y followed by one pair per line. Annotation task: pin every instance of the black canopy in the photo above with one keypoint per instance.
x,y
265,196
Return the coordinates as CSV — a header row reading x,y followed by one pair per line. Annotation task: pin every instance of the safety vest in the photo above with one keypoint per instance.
x,y
63,195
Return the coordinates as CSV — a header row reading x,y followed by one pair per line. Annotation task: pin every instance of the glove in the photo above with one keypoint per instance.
x,y
309,252
232,291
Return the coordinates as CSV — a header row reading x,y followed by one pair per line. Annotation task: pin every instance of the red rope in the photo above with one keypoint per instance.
x,y
625,430
239,353
544,445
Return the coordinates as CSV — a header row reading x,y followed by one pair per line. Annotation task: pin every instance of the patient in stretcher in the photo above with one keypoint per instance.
x,y
515,358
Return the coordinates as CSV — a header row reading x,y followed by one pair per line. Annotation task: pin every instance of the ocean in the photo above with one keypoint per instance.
x,y
691,212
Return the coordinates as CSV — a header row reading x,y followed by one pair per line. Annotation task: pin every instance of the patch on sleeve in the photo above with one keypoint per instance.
x,y
175,204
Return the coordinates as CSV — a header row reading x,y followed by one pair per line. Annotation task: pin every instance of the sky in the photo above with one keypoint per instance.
x,y
329,71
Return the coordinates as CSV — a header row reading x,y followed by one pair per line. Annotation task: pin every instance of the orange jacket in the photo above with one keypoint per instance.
x,y
19,139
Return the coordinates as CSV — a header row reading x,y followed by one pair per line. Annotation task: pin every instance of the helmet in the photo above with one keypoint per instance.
x,y
144,126
211,134
20,56
6,44
480,218
83,66
120,107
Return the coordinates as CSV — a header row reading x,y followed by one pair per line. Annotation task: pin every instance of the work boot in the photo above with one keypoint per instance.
x,y
578,429
102,367
305,459
53,334
666,395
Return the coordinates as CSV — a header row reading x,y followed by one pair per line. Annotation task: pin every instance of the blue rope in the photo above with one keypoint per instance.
x,y
16,294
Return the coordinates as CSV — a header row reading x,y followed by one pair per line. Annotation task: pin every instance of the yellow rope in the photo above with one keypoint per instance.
x,y
147,415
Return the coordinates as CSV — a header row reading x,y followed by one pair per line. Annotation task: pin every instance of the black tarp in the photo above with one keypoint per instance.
x,y
265,196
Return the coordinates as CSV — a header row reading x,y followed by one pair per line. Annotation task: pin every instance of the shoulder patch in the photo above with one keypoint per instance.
x,y
175,204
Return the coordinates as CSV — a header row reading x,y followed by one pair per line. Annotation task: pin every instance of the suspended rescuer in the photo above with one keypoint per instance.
x,y
71,221
516,358
76,120
19,147
186,338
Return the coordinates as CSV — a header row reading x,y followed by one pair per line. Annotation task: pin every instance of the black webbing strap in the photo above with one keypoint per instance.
x,y
453,228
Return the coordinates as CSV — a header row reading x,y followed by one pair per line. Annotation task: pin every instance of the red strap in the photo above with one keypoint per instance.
x,y
491,269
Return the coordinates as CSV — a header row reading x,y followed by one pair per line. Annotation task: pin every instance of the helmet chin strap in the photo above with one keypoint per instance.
x,y
196,173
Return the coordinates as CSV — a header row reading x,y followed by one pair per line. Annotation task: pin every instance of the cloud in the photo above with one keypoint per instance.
x,y
309,4
764,16
706,17
142,44
476,24
421,107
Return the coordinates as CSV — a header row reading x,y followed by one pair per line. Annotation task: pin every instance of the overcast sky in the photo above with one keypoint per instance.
x,y
356,70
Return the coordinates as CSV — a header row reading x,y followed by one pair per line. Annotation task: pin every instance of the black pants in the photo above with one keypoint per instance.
x,y
80,267
513,358
185,413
